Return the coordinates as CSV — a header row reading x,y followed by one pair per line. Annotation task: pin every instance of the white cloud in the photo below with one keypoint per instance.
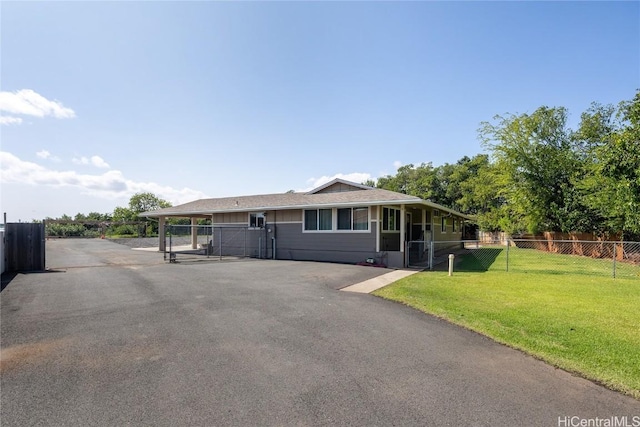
x,y
397,164
8,120
44,154
80,160
98,162
30,103
108,185
357,177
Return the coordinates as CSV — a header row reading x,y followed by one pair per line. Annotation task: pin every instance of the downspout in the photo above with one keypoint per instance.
x,y
273,235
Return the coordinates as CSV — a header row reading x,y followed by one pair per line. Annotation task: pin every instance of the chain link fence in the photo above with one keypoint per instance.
x,y
576,257
198,242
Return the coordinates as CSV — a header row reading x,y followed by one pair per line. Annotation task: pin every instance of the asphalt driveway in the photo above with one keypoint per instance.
x,y
118,337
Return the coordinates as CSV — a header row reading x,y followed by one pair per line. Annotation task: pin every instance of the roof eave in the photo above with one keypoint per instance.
x,y
155,214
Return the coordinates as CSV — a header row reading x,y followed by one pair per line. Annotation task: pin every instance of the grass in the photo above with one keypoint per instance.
x,y
555,309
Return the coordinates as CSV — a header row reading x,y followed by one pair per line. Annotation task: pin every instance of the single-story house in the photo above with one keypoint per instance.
x,y
340,221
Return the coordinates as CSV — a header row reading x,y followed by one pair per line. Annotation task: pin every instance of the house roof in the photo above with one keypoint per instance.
x,y
361,195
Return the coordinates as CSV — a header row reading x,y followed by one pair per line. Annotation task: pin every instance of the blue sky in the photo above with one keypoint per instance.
x,y
101,100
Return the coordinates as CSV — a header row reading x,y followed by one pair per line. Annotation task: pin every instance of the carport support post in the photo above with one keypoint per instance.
x,y
194,233
161,234
424,226
378,227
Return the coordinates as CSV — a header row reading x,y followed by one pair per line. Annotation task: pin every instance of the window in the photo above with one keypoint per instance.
x,y
344,219
336,219
318,219
436,212
443,224
390,219
256,220
310,220
360,218
324,219
353,219
453,224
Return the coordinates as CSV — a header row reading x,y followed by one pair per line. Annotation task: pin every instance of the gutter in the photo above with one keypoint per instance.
x,y
155,214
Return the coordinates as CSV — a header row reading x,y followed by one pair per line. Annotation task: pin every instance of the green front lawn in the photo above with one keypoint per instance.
x,y
587,324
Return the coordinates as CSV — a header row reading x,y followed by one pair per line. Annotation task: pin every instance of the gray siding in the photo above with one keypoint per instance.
x,y
292,243
339,187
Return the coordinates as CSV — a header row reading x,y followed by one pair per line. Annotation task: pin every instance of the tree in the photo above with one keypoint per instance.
x,y
144,202
610,138
138,203
537,162
121,214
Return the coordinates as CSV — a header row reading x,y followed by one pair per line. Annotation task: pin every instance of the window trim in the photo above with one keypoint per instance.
x,y
258,215
334,220
396,220
443,224
317,228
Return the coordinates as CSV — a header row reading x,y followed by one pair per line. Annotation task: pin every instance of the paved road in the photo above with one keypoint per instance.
x,y
129,340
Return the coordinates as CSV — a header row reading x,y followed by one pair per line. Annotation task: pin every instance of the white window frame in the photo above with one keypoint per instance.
x,y
258,216
453,225
317,229
436,213
352,219
396,220
334,220
443,224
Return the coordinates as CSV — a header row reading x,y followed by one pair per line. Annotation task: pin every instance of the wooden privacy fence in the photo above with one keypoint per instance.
x,y
24,246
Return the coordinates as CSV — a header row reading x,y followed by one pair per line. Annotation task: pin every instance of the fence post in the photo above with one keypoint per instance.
x,y
508,255
431,255
614,259
220,243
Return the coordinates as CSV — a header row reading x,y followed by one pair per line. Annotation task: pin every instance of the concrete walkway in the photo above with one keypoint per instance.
x,y
375,283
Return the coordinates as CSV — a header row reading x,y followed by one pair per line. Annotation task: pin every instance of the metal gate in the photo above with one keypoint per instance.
x,y
201,242
24,246
419,254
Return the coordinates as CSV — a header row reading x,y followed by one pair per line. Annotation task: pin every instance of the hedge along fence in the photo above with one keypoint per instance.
x,y
583,244
95,229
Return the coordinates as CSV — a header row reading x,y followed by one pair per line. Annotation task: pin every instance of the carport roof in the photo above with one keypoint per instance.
x,y
361,195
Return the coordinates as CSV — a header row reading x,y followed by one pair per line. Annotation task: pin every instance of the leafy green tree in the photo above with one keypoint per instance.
x,y
138,203
92,216
537,162
122,214
144,202
610,141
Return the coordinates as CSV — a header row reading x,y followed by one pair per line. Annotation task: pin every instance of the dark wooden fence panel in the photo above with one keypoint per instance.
x,y
25,246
